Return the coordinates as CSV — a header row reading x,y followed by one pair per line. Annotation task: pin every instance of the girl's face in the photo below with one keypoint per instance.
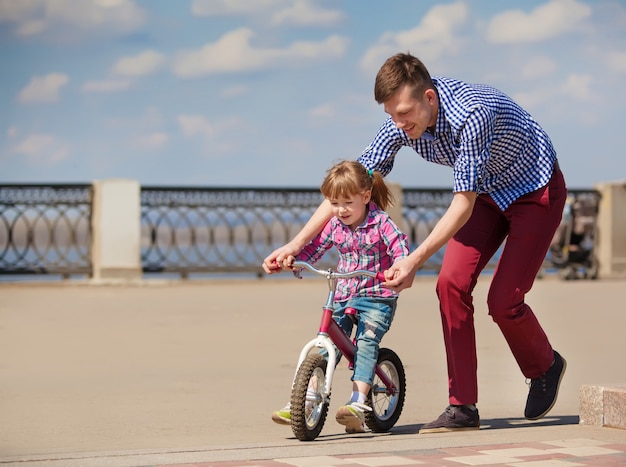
x,y
352,210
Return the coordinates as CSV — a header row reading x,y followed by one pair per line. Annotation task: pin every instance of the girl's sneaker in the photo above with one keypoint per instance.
x,y
282,416
352,415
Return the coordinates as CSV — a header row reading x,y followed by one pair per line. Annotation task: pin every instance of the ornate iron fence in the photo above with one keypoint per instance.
x,y
46,229
199,230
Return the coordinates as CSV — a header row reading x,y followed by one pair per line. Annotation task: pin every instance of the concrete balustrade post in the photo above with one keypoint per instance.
x,y
395,211
611,241
116,230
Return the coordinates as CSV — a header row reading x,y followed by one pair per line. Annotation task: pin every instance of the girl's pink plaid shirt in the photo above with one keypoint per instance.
x,y
374,246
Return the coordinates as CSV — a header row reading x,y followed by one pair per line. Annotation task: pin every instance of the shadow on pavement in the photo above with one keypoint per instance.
x,y
500,423
486,424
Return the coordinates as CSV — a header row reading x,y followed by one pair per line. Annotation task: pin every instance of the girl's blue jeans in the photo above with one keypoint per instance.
x,y
373,321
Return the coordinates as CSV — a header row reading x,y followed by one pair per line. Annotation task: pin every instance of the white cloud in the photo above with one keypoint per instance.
x,y
43,88
12,131
617,61
61,18
233,53
232,7
139,65
152,117
31,27
112,85
550,20
193,125
561,101
10,10
234,91
42,149
434,36
109,3
213,138
151,141
142,64
323,111
578,87
306,13
278,12
538,66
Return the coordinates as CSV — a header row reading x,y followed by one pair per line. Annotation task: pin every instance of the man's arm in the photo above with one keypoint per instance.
x,y
401,274
278,259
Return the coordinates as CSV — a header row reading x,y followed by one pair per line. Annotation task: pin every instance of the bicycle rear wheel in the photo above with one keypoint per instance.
x,y
308,408
386,405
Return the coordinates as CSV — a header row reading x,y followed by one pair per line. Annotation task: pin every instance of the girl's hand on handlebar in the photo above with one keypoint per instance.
x,y
288,262
279,259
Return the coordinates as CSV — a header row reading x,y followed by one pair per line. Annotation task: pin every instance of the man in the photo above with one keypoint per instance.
x,y
507,185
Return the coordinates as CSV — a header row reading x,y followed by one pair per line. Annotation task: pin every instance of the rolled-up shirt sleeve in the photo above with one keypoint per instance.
x,y
381,153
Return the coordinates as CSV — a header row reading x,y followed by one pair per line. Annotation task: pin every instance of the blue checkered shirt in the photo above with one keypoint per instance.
x,y
494,146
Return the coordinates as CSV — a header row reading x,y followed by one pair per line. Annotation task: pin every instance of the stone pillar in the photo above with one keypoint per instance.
x,y
116,230
611,241
395,211
603,405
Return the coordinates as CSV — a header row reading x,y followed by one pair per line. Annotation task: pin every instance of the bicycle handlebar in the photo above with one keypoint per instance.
x,y
330,274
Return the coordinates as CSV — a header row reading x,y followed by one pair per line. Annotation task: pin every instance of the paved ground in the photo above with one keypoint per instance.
x,y
189,373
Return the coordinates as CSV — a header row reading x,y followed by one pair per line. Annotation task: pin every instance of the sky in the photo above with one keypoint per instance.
x,y
271,93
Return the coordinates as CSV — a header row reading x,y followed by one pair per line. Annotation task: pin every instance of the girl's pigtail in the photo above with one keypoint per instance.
x,y
381,194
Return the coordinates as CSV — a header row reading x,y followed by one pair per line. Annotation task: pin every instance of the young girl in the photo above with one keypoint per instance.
x,y
366,238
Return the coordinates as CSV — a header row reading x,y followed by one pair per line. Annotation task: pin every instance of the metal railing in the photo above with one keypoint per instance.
x,y
46,228
191,230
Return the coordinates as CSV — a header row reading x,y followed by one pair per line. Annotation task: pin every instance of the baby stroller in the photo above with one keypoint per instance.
x,y
572,251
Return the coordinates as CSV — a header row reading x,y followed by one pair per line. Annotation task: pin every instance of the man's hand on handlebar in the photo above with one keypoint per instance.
x,y
400,275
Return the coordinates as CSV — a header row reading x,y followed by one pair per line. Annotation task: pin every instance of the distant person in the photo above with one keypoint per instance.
x,y
507,186
365,238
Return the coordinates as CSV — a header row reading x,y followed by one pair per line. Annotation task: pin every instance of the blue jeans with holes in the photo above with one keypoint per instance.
x,y
373,321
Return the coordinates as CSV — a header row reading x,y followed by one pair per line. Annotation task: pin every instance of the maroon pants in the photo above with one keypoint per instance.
x,y
528,225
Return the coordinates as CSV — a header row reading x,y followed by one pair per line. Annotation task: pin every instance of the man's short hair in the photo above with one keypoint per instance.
x,y
399,70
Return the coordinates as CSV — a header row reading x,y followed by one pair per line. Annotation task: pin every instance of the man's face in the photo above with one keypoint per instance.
x,y
413,114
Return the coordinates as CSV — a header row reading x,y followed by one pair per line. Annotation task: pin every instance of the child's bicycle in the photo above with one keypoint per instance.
x,y
312,384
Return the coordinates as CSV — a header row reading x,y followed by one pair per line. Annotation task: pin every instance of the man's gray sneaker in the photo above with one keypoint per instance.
x,y
454,418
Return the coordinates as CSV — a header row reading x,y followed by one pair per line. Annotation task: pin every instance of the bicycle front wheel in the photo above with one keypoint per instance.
x,y
386,404
308,406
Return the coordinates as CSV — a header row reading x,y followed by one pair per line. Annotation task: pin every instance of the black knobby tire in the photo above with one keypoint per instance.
x,y
386,406
308,416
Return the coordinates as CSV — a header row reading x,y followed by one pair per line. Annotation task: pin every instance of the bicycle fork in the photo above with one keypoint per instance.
x,y
330,332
